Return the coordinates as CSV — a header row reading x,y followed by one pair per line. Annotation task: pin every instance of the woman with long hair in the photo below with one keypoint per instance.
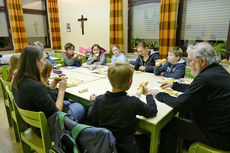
x,y
28,90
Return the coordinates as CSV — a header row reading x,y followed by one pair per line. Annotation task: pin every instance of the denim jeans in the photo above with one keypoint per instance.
x,y
76,110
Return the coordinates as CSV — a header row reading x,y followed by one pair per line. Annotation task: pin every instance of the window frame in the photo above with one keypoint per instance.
x,y
132,3
179,21
41,12
179,27
5,10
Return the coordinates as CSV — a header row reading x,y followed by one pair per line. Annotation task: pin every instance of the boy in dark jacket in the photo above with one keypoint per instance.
x,y
174,67
117,111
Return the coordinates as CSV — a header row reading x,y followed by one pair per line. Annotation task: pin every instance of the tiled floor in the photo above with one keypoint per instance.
x,y
7,139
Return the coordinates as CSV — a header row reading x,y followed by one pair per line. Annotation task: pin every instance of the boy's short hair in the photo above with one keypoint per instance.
x,y
119,74
177,51
68,46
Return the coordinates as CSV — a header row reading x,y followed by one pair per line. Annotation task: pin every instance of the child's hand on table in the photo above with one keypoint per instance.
x,y
93,97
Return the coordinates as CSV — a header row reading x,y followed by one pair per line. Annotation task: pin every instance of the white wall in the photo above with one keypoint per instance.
x,y
96,26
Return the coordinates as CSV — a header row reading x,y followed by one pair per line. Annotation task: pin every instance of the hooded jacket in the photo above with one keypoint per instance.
x,y
150,63
172,71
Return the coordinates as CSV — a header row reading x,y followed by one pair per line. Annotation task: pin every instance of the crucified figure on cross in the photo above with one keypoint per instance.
x,y
36,27
82,19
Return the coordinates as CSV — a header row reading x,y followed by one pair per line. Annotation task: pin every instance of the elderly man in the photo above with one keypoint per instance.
x,y
207,99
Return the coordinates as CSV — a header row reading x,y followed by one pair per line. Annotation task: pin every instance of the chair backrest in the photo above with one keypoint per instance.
x,y
108,60
8,105
188,73
9,95
38,120
58,55
5,70
35,119
4,84
60,62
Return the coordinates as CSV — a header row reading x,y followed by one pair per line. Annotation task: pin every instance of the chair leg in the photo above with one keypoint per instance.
x,y
8,114
26,148
180,145
16,132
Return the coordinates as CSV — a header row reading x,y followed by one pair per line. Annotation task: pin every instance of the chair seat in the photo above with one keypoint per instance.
x,y
31,138
198,147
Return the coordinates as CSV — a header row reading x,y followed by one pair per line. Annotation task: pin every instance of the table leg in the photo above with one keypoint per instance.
x,y
154,140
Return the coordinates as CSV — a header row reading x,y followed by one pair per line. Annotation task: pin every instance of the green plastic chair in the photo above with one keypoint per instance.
x,y
12,111
198,147
108,60
60,62
5,70
188,73
29,139
58,55
6,100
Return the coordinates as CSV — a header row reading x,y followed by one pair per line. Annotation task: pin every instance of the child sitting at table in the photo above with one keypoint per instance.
x,y
71,59
13,67
174,67
75,110
146,60
96,56
46,55
117,111
117,55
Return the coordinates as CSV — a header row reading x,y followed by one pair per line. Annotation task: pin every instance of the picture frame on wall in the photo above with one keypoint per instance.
x,y
68,28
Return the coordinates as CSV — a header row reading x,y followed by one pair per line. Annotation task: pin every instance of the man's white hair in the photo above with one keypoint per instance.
x,y
204,50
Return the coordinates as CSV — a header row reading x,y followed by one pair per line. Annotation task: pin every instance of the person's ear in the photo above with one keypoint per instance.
x,y
203,62
129,83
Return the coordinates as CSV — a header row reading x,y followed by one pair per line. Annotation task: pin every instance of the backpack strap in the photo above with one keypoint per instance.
x,y
77,129
61,120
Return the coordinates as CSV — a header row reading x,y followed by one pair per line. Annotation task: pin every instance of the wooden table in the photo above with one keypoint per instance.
x,y
84,77
101,85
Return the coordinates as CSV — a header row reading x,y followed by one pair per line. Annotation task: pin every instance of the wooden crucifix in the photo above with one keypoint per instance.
x,y
82,19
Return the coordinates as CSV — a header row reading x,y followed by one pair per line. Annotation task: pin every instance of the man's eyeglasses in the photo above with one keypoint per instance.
x,y
188,60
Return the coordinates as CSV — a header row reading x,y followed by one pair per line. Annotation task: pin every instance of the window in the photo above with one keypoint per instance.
x,y
205,21
5,35
144,21
36,21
